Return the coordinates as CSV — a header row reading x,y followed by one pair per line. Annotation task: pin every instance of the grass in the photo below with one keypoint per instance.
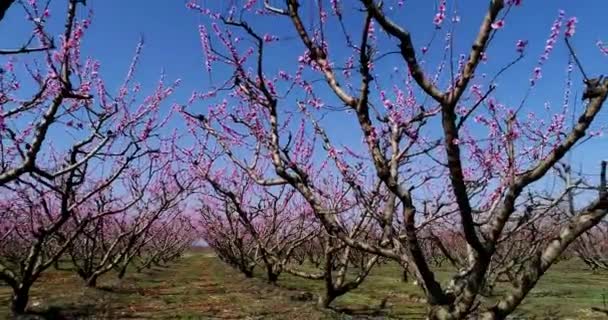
x,y
199,286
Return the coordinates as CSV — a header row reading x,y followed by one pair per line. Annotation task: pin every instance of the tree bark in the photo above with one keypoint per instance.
x,y
326,299
4,5
248,273
20,298
92,281
490,316
273,277
122,272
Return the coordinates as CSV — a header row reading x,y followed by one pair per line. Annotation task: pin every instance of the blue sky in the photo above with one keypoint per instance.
x,y
172,44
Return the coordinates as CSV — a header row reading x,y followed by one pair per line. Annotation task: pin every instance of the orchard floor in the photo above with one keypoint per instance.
x,y
199,286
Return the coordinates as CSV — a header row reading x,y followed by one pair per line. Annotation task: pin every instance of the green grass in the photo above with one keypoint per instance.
x,y
199,286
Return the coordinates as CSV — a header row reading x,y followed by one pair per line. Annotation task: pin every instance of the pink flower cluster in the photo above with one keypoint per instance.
x,y
335,7
603,48
550,43
440,15
270,38
498,24
571,27
521,45
249,4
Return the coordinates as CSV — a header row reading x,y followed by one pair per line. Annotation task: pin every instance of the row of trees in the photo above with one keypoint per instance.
x,y
435,166
275,229
85,174
250,226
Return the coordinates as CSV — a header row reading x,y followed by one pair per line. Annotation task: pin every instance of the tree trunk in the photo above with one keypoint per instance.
x,y
326,299
272,276
247,272
122,272
487,290
92,281
20,298
441,313
4,5
490,316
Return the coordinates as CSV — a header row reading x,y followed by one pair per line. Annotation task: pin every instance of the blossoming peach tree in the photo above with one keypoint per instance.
x,y
422,136
72,153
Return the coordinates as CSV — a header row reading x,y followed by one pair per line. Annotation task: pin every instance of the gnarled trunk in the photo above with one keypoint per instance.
x,y
20,298
272,275
122,272
327,298
248,272
91,282
273,278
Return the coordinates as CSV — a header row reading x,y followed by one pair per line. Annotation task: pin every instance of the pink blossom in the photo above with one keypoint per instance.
x,y
571,27
270,38
372,138
549,45
555,30
371,30
350,63
249,4
537,74
332,153
603,48
440,15
596,133
498,24
385,101
521,45
335,7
